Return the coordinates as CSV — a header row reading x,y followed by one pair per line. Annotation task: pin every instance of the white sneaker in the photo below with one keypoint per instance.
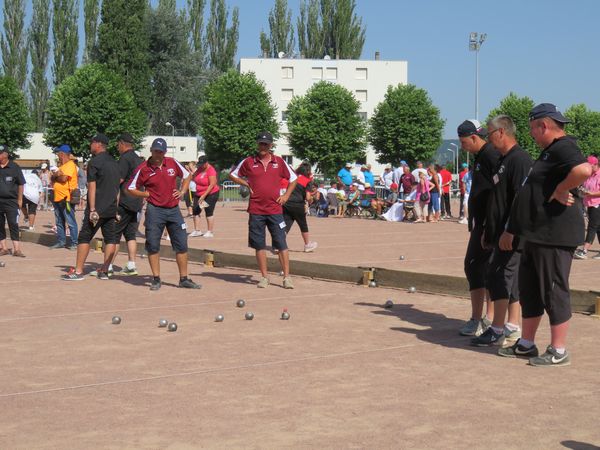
x,y
208,234
196,233
311,246
31,228
463,221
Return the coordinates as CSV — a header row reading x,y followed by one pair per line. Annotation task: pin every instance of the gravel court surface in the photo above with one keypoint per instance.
x,y
343,372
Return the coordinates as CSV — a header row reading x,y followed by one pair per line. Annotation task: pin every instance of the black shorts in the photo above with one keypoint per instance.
x,y
476,261
211,199
157,219
128,225
11,214
257,234
295,213
544,282
503,275
31,207
108,225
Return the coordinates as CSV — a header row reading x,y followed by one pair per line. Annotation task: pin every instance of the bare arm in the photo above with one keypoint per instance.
x,y
92,195
20,196
240,181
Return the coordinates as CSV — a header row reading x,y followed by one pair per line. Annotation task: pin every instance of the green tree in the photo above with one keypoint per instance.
x,y
585,125
93,99
196,28
221,41
39,50
281,31
518,108
177,73
90,13
65,36
123,46
330,27
236,107
15,123
325,127
405,125
14,42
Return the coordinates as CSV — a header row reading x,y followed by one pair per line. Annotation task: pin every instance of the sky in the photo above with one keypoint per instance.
x,y
547,50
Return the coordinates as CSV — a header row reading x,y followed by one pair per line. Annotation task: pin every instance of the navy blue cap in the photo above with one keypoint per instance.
x,y
62,148
471,127
547,110
264,137
159,144
99,137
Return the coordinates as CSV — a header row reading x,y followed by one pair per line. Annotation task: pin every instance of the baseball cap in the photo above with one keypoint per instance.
x,y
3,148
62,148
465,165
44,166
367,185
126,137
403,163
264,137
159,144
389,166
99,137
592,160
203,159
394,186
471,127
348,165
547,110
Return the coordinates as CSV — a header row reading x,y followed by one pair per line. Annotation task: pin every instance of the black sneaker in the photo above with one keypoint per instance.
x,y
189,284
102,275
551,358
56,246
155,284
487,338
519,351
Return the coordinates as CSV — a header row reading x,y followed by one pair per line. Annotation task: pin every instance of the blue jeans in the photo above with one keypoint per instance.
x,y
62,214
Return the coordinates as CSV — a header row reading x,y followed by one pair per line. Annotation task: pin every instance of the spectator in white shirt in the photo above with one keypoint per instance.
x,y
31,197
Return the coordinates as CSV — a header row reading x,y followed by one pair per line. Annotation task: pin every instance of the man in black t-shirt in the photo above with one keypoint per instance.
x,y
547,213
12,183
103,192
471,135
502,276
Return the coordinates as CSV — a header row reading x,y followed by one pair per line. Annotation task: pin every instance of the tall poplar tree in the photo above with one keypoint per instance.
x,y
65,36
281,31
14,42
90,12
123,46
196,27
39,50
222,41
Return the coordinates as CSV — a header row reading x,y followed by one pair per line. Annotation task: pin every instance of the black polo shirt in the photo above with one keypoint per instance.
x,y
538,221
104,170
482,183
11,177
508,177
128,162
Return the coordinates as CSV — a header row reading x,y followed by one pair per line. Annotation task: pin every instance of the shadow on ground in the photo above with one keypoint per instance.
x,y
576,445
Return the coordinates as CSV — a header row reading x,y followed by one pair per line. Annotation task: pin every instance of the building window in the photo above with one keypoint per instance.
x,y
288,159
182,149
287,73
363,116
317,73
361,73
284,116
287,94
361,96
331,73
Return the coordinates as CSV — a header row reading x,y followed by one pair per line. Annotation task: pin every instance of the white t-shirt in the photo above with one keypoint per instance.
x,y
33,187
398,172
332,190
387,178
323,191
361,177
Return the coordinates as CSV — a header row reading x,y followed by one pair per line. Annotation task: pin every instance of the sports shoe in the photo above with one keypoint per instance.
x,y
196,233
463,221
263,283
72,247
518,351
487,338
95,273
208,234
469,328
155,284
597,256
551,358
512,335
5,252
126,271
287,283
311,246
580,254
19,254
72,276
484,324
189,284
57,245
102,275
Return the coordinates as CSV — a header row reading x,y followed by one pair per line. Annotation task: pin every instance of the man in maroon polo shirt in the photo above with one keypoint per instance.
x,y
262,174
158,175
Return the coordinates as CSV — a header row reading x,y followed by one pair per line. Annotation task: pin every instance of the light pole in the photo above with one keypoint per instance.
x,y
169,124
453,157
457,156
475,41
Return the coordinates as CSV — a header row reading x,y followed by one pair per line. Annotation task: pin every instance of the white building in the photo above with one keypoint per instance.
x,y
182,148
285,78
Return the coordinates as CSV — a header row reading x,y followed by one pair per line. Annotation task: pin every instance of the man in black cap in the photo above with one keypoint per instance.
x,y
12,183
502,276
101,211
548,214
471,135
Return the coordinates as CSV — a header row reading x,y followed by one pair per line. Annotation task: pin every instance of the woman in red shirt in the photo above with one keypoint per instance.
x,y
207,195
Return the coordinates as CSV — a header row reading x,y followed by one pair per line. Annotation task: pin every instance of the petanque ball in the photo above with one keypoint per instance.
x,y
285,315
2,264
116,320
162,323
373,283
401,257
412,290
249,316
172,326
219,318
241,303
389,304
244,191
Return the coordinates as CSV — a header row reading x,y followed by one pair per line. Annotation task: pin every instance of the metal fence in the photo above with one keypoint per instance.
x,y
230,192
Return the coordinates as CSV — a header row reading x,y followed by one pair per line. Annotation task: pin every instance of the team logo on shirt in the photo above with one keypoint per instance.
x,y
501,169
171,172
545,156
275,165
478,167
